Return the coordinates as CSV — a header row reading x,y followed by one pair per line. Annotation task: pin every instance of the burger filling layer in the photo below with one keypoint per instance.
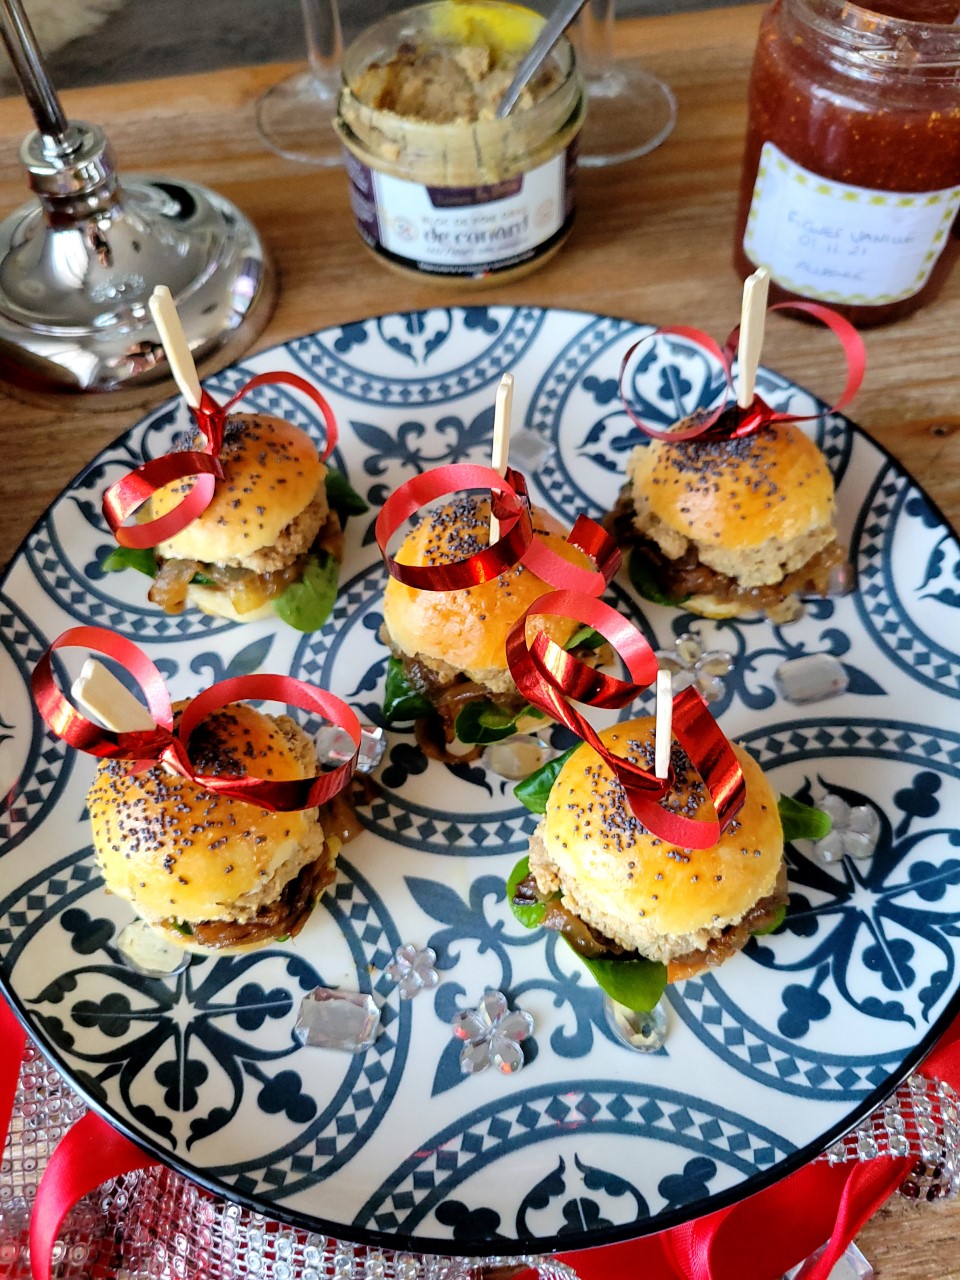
x,y
284,917
686,954
449,689
767,579
253,580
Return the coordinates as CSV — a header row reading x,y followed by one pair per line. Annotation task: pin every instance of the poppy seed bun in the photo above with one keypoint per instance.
x,y
180,853
754,510
641,891
466,631
273,479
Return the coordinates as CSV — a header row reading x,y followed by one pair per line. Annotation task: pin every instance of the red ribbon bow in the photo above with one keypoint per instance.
x,y
510,503
730,421
168,744
129,493
548,677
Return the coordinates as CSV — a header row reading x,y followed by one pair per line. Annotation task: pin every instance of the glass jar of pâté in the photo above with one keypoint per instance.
x,y
440,186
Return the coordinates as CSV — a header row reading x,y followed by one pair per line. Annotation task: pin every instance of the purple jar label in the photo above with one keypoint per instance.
x,y
463,230
464,197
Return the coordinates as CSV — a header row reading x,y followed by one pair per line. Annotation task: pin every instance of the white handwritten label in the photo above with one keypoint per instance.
x,y
838,243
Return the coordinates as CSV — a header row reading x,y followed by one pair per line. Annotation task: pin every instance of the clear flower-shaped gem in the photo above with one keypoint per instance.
x,y
492,1034
856,829
413,971
691,664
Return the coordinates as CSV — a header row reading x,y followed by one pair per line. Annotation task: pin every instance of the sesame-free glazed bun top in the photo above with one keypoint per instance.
x,y
635,888
180,853
467,630
272,474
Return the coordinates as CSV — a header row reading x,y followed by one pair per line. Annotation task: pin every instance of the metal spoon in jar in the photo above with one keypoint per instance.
x,y
551,31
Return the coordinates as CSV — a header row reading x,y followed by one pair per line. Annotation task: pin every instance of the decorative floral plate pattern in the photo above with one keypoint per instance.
x,y
766,1061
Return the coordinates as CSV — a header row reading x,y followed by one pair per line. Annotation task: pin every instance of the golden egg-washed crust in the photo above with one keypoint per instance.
x,y
177,851
272,473
644,892
467,630
735,496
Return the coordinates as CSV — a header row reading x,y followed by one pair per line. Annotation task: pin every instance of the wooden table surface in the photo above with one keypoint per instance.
x,y
652,243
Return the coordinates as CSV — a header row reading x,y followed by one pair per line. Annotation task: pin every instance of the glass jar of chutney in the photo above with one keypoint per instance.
x,y
851,173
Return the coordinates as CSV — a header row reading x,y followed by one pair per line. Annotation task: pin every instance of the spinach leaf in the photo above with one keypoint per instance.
x,y
401,701
342,497
778,918
535,788
634,981
482,722
802,821
529,914
645,584
140,558
585,638
307,604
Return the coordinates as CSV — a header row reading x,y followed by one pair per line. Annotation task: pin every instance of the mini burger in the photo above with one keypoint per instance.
x,y
730,526
269,542
207,871
638,910
449,647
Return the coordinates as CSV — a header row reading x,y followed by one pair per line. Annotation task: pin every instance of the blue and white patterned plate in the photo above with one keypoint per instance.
x,y
766,1062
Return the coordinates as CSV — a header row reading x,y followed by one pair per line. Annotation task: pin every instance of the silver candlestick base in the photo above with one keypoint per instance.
x,y
78,265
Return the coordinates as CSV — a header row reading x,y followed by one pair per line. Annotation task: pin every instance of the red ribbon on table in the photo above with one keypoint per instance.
x,y
549,677
758,1238
167,743
130,492
510,503
730,421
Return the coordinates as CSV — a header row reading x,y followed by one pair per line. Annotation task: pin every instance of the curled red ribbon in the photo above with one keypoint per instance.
x,y
510,503
549,677
130,492
730,421
167,744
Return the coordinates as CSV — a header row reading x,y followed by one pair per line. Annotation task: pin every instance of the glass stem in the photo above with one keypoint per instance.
x,y
594,37
17,34
321,21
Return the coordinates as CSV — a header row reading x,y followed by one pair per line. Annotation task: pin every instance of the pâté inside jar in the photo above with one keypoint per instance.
x,y
851,173
440,185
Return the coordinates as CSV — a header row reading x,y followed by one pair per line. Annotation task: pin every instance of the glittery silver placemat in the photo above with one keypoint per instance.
x,y
156,1223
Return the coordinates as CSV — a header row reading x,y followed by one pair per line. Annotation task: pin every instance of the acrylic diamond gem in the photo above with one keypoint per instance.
x,y
150,953
347,1020
811,678
690,664
852,1266
515,757
854,834
492,1034
529,450
640,1030
413,971
335,746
